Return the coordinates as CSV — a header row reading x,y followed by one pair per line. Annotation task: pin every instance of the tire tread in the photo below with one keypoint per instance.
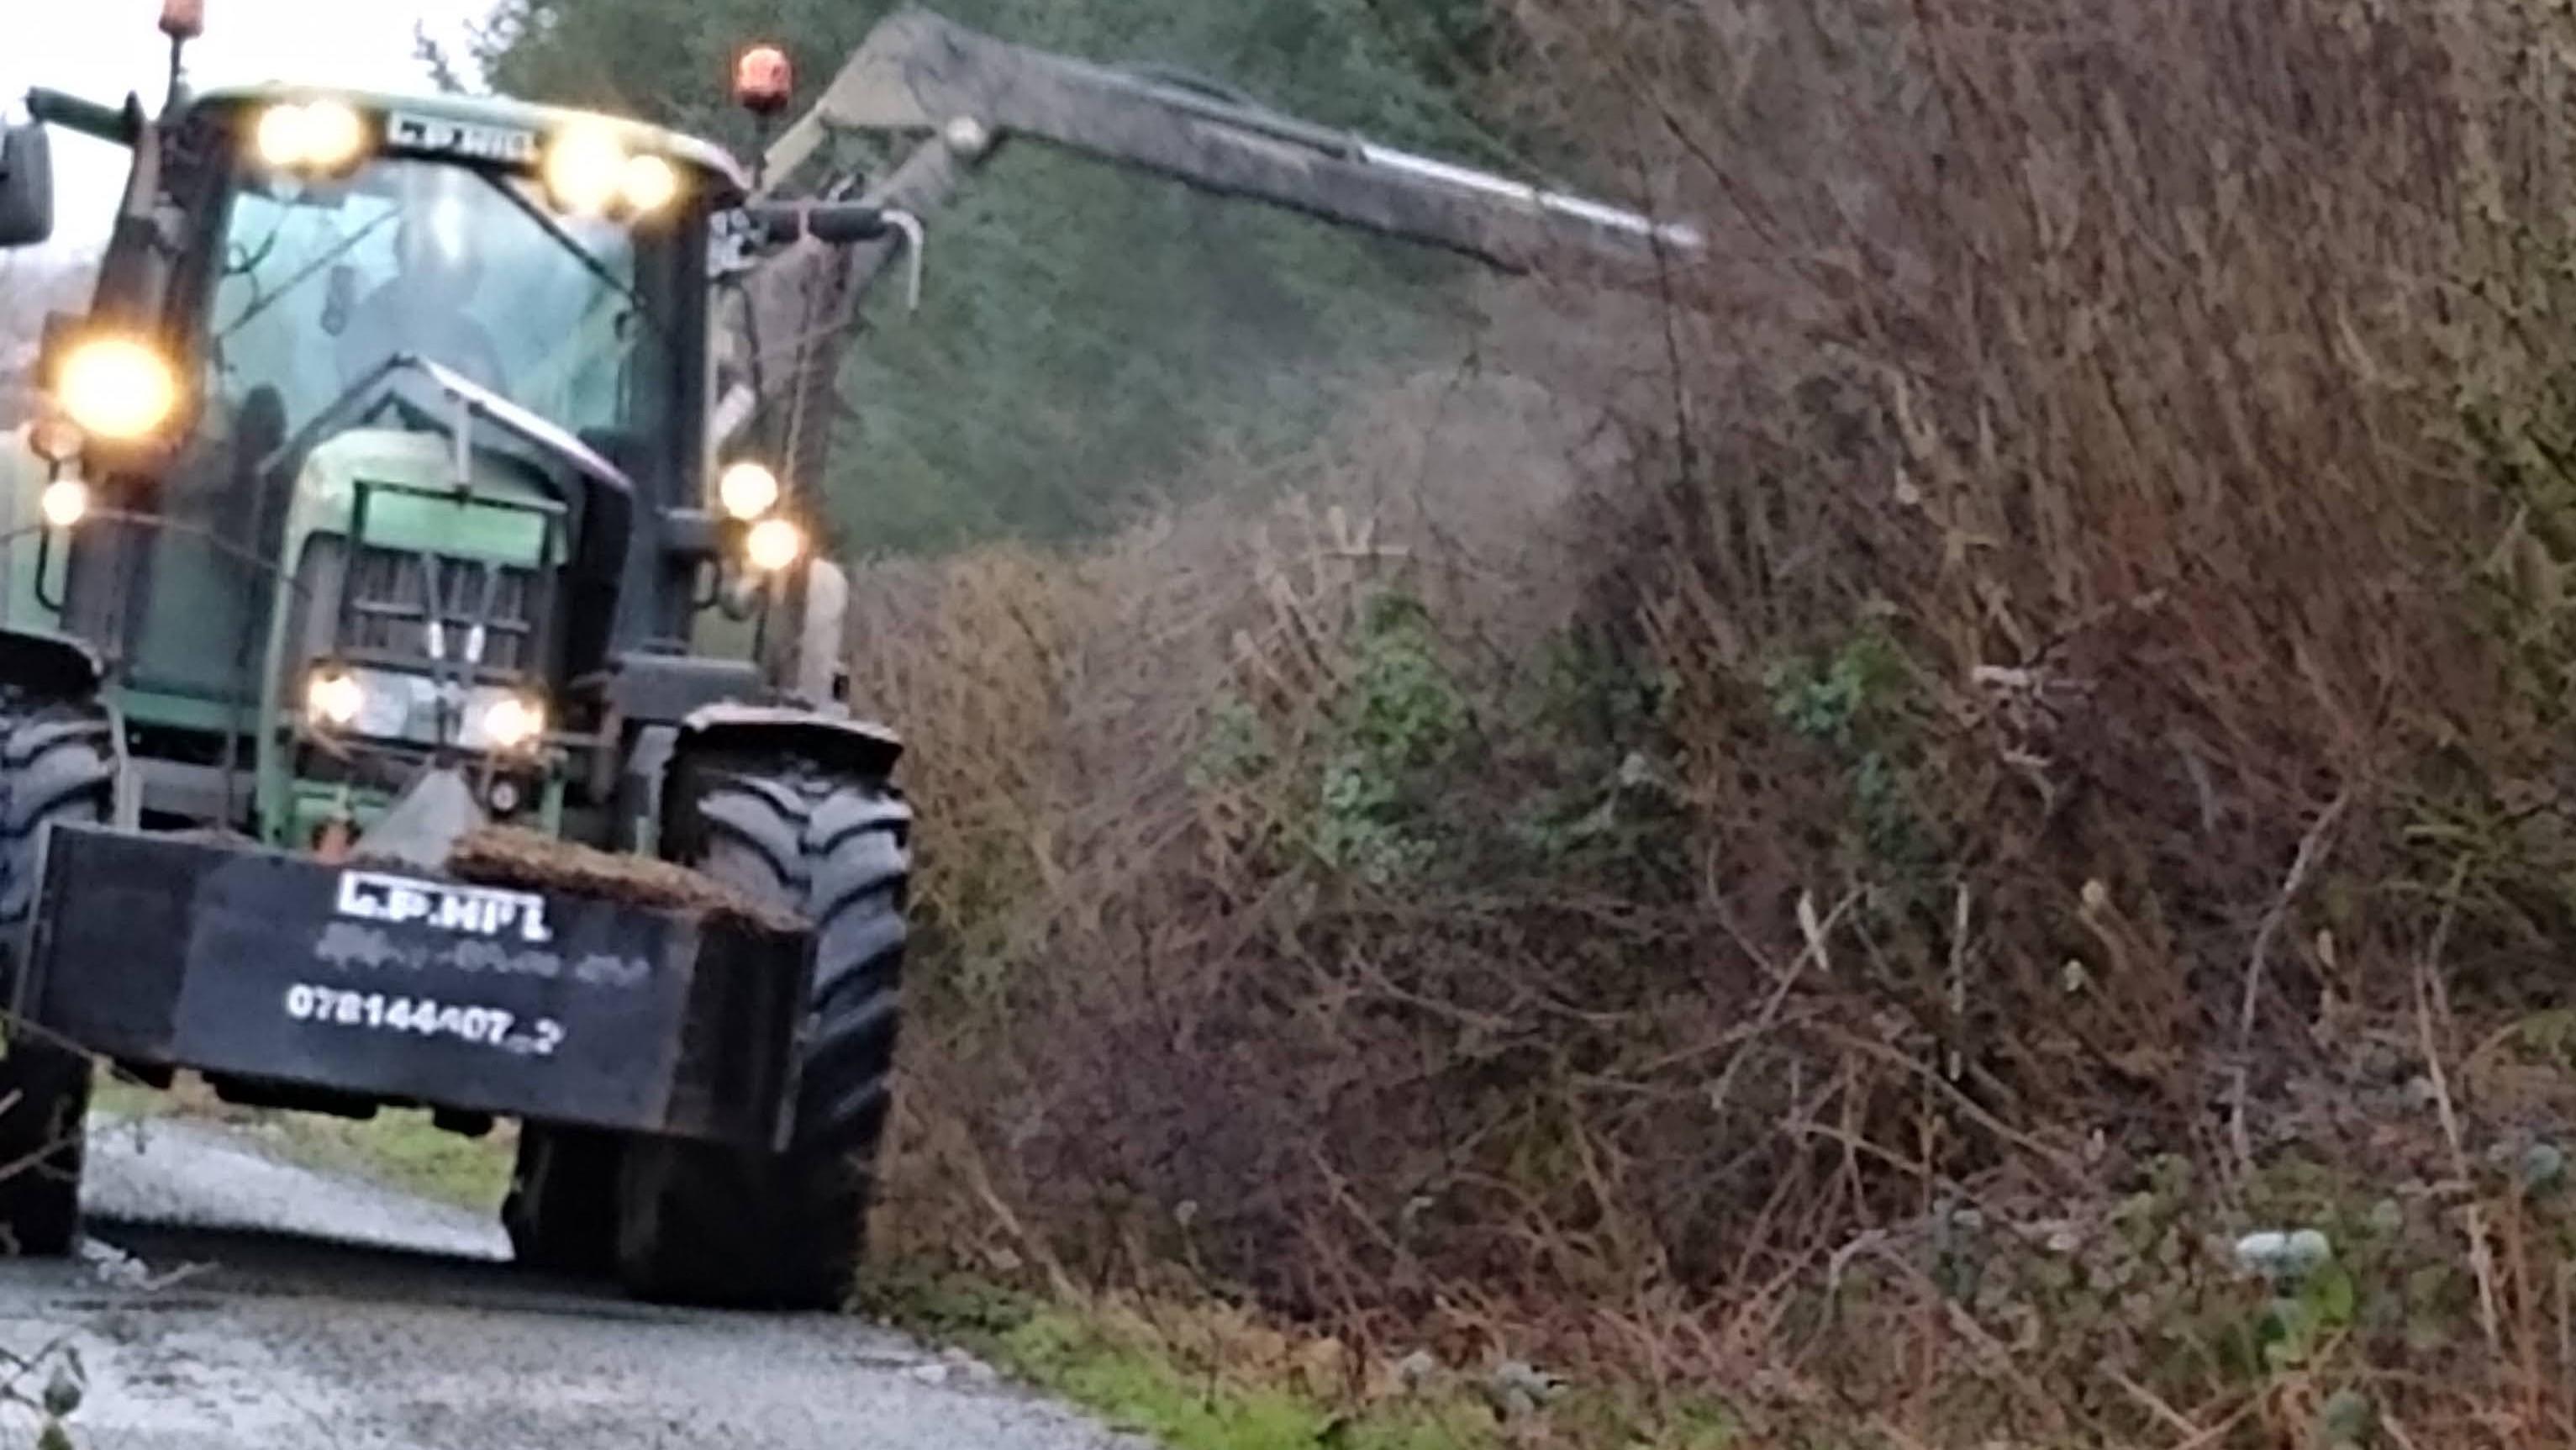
x,y
56,765
705,1225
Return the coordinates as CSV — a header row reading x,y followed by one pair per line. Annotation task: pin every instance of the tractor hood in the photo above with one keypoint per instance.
x,y
425,395
416,423
326,490
419,464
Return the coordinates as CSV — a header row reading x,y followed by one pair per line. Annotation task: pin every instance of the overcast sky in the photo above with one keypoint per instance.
x,y
101,49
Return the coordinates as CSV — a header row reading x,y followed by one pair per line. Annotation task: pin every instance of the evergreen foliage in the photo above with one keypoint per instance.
x,y
1084,331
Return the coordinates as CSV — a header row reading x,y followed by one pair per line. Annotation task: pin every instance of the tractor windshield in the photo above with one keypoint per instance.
x,y
321,283
315,284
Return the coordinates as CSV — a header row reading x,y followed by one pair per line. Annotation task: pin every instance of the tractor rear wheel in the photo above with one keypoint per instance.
x,y
707,1225
55,765
561,1212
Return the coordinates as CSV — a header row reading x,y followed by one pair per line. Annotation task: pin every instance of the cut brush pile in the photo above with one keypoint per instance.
x,y
516,857
2003,743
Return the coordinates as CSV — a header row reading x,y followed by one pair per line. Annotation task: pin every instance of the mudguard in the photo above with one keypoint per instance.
x,y
860,746
55,665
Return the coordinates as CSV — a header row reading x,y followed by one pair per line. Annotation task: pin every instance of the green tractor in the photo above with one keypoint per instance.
x,y
371,508
426,480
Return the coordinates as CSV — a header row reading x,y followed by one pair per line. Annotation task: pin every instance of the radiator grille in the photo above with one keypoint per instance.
x,y
390,596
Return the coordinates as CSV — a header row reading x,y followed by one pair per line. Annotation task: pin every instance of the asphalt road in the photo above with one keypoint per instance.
x,y
230,1300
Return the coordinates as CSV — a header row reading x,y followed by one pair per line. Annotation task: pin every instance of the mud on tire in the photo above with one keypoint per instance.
x,y
702,1224
56,764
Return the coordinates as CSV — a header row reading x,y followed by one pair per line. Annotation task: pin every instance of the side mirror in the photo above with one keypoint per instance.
x,y
26,185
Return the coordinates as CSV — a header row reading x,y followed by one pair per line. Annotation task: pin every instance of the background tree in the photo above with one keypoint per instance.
x,y
1084,331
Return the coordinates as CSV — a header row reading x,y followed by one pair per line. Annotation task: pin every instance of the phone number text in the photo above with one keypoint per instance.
x,y
423,1017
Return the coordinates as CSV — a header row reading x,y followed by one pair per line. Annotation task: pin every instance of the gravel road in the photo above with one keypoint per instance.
x,y
228,1299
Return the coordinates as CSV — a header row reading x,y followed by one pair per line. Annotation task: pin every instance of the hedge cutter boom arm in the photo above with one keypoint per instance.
x,y
918,74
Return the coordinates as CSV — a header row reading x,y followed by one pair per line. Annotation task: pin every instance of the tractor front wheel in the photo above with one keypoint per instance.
x,y
707,1225
55,765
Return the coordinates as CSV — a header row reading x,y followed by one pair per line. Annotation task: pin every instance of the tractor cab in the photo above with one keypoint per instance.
x,y
398,704
384,443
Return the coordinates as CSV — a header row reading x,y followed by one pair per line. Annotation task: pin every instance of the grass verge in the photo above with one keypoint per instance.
x,y
1204,1375
400,1149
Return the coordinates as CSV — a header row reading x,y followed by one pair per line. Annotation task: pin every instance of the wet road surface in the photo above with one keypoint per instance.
x,y
228,1299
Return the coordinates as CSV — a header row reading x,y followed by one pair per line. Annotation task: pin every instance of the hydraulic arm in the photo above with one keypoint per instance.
x,y
966,94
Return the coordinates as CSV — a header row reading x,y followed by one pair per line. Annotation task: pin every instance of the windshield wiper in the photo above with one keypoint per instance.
x,y
572,244
259,305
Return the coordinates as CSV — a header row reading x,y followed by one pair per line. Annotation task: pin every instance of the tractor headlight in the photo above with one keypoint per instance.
x,y
280,135
64,502
746,490
773,544
334,135
649,183
511,724
54,438
116,388
414,709
585,169
316,136
334,699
